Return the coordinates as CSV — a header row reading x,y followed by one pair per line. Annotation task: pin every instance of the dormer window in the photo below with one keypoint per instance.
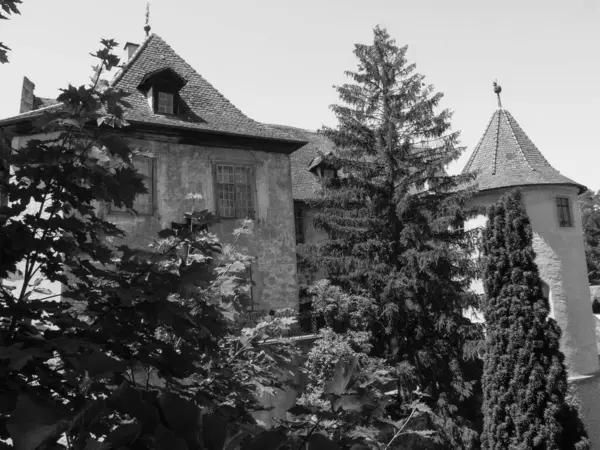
x,y
322,169
162,91
165,103
328,174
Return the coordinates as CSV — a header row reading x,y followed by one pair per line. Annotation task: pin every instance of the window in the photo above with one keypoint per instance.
x,y
563,207
234,191
328,173
162,88
143,203
299,223
165,103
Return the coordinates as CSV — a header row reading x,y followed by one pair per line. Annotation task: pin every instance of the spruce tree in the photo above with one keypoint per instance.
x,y
525,380
392,217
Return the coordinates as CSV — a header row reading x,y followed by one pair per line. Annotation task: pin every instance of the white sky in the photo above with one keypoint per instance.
x,y
277,60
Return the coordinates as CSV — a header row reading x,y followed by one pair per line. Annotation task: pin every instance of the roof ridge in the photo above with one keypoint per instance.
x,y
472,158
497,143
289,126
519,146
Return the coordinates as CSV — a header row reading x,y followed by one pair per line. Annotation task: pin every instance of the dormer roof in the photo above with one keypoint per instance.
x,y
162,74
506,157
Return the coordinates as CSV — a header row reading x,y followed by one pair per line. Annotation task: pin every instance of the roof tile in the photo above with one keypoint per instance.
x,y
506,157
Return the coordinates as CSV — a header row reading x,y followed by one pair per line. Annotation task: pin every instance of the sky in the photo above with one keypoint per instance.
x,y
278,60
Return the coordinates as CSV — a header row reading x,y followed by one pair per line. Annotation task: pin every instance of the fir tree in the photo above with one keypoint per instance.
x,y
392,216
525,380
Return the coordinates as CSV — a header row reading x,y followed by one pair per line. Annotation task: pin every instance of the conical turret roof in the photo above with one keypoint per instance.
x,y
506,157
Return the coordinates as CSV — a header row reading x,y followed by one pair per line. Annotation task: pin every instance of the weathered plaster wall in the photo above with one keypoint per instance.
x,y
182,169
560,256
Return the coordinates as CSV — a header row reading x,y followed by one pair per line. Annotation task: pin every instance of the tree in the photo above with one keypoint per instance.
x,y
8,7
590,217
392,216
525,380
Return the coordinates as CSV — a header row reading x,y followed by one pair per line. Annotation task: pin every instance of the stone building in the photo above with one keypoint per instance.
x,y
200,143
505,158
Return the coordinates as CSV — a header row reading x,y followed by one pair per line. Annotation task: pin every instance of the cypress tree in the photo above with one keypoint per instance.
x,y
525,380
392,218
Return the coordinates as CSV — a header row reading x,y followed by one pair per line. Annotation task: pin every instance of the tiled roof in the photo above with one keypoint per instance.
x,y
40,102
304,183
208,108
506,157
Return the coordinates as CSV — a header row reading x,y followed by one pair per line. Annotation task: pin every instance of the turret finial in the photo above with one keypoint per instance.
x,y
147,26
497,90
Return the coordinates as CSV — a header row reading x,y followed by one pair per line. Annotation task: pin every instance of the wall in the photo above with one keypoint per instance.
x,y
560,257
182,169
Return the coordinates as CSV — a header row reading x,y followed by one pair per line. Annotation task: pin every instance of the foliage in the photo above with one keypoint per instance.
x,y
142,352
351,409
7,7
338,309
589,203
525,379
144,349
392,216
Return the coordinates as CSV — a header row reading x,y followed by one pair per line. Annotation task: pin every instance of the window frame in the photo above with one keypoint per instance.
x,y
570,223
151,191
252,174
168,95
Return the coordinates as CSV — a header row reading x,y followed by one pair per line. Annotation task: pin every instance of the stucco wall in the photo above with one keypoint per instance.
x,y
560,256
182,169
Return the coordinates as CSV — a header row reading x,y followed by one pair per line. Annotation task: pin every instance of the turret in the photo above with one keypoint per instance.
x,y
505,158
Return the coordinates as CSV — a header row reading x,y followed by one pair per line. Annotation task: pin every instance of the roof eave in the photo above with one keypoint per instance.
x,y
28,116
290,145
581,187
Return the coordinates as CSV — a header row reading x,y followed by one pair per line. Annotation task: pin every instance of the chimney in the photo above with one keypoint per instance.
x,y
27,96
130,48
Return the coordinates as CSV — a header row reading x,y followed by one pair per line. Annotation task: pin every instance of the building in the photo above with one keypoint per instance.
x,y
505,158
202,144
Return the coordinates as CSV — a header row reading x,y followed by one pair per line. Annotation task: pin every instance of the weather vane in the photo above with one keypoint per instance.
x,y
497,90
147,26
